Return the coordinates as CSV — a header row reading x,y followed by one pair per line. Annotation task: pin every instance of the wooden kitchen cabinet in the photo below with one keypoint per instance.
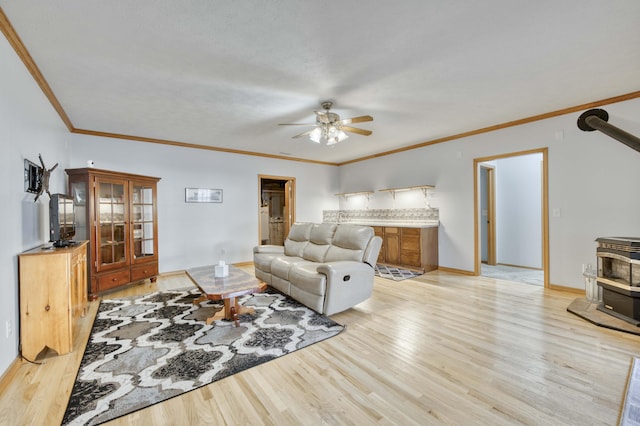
x,y
392,245
407,247
117,213
53,294
410,247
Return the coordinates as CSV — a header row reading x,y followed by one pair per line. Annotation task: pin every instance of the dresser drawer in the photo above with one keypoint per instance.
x,y
114,279
141,272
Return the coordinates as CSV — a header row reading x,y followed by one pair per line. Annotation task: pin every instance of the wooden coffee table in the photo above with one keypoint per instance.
x,y
237,283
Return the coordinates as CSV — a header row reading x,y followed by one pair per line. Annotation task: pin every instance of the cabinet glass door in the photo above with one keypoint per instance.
x,y
112,224
79,193
143,222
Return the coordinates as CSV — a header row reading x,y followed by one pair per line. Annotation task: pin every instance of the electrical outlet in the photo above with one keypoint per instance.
x,y
9,329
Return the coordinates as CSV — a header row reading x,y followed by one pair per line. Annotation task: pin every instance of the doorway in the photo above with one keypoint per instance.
x,y
487,214
276,202
511,216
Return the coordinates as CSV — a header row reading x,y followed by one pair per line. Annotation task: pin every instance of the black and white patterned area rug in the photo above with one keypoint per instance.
x,y
393,273
147,349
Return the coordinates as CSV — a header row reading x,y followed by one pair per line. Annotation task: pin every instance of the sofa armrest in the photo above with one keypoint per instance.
x,y
342,270
348,283
267,248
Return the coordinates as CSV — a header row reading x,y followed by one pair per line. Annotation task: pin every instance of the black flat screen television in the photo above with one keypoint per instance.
x,y
61,220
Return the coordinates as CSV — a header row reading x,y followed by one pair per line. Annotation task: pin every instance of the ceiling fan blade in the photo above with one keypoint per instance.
x,y
302,134
356,130
360,119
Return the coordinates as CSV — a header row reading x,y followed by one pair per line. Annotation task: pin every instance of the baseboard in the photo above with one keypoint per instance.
x,y
455,271
520,266
567,289
171,273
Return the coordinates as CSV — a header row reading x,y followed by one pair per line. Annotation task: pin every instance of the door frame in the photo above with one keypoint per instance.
x,y
544,205
491,213
290,202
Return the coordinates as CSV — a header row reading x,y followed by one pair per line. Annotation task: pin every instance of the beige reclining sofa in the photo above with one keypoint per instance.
x,y
328,267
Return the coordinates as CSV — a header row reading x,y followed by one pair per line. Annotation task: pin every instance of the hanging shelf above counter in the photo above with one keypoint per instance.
x,y
351,194
393,191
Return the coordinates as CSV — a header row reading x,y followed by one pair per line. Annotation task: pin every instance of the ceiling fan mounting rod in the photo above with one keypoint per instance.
x,y
596,119
327,105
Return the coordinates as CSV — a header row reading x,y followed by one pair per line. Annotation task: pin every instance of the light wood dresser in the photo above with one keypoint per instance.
x,y
53,294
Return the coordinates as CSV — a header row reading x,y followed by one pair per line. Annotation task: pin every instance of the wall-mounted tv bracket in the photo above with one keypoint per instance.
x,y
596,119
44,179
31,177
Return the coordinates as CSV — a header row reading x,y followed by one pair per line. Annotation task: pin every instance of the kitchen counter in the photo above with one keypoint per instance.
x,y
430,224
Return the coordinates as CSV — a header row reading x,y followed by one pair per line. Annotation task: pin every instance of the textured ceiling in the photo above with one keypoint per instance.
x,y
225,73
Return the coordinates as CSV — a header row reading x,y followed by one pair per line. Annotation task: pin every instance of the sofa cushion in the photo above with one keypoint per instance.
x,y
308,286
349,243
263,261
297,239
280,266
322,233
315,253
281,285
264,276
319,241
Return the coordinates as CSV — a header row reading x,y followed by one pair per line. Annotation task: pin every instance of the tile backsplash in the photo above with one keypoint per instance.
x,y
381,216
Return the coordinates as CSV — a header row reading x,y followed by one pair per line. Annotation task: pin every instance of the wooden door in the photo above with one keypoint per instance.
x,y
488,214
269,221
288,206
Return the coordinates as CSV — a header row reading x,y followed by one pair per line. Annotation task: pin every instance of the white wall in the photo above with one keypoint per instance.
x,y
28,126
193,234
519,210
189,234
593,180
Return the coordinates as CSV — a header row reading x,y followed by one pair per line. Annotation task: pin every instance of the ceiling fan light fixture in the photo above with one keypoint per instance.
x,y
334,135
315,135
330,128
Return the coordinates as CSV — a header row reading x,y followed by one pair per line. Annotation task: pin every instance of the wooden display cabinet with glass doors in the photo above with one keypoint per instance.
x,y
117,213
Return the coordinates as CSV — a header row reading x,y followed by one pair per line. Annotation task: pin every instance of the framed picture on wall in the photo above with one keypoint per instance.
x,y
202,195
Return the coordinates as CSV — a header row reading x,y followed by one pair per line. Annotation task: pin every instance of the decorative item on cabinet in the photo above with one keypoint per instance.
x,y
117,213
53,294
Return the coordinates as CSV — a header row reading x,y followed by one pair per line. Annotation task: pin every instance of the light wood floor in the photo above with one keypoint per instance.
x,y
440,349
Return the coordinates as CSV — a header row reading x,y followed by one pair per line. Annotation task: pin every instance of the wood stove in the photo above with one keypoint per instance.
x,y
619,277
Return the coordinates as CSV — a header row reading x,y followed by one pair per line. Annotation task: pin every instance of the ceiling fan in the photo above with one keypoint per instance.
x,y
330,127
